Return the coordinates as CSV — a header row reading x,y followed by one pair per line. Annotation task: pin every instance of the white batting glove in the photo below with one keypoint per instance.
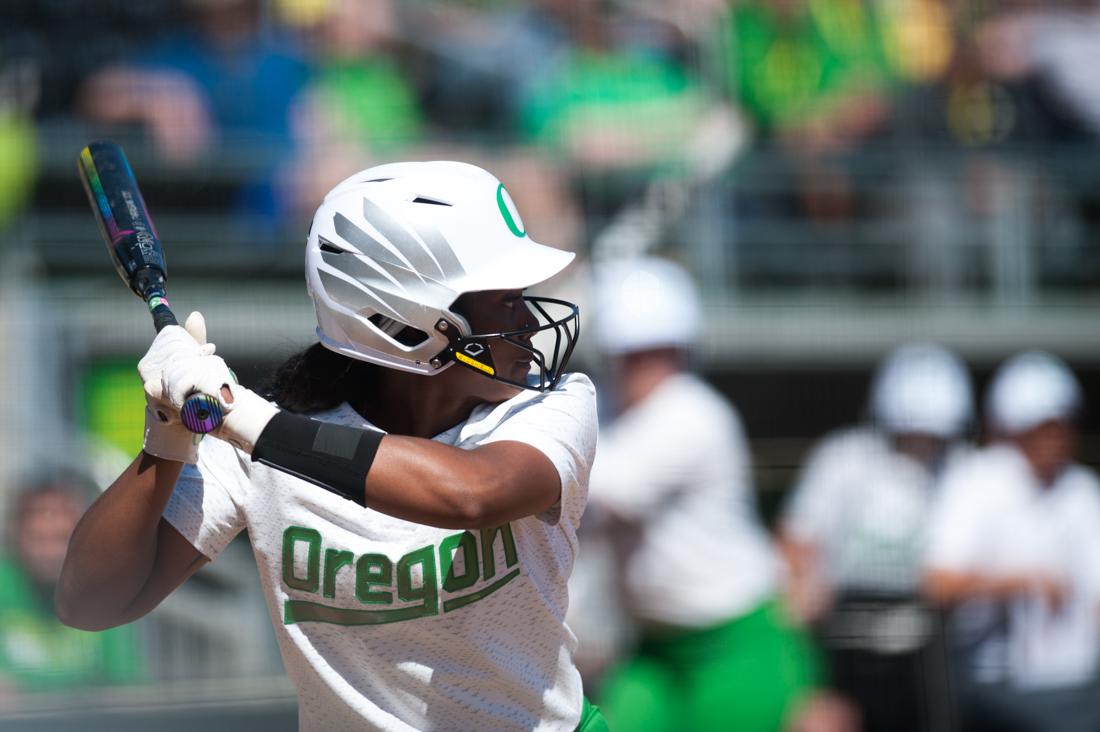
x,y
245,418
245,412
165,435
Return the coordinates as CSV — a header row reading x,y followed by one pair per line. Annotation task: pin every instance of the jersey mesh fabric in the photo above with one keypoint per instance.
x,y
386,624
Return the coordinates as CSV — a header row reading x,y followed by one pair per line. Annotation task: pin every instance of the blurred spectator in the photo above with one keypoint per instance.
x,y
1053,45
484,60
813,78
488,59
1012,77
1012,548
359,109
65,40
222,84
809,72
38,652
918,38
983,134
607,106
853,534
671,484
19,88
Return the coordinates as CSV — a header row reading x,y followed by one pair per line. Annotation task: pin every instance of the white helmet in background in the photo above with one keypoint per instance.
x,y
645,303
392,247
922,388
1031,388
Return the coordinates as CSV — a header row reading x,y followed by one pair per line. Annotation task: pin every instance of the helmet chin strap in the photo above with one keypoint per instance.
x,y
474,352
470,351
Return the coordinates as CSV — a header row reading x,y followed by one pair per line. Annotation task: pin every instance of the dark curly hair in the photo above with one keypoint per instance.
x,y
316,379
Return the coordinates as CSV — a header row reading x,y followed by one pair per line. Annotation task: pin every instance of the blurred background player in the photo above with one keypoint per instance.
x,y
38,652
853,535
1013,549
671,488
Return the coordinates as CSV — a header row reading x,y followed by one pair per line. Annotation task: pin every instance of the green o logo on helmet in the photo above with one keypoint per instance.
x,y
508,211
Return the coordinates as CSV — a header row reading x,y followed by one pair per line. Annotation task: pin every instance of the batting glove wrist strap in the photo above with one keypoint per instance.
x,y
168,439
334,457
245,419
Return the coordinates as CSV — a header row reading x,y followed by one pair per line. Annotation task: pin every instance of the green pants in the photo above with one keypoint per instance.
x,y
744,675
591,719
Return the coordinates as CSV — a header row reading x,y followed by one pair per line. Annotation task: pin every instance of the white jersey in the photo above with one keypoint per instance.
x,y
995,519
676,467
384,624
865,507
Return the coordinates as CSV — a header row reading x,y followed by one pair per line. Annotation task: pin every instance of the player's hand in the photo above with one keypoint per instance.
x,y
165,435
191,371
247,413
1052,590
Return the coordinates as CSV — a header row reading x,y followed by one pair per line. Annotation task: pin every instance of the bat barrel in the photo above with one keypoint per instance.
x,y
123,217
136,252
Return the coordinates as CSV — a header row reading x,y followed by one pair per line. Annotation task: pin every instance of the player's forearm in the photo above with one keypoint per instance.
x,y
801,557
439,485
114,547
408,477
950,588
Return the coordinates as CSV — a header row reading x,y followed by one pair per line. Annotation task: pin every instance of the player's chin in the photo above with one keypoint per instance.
x,y
521,369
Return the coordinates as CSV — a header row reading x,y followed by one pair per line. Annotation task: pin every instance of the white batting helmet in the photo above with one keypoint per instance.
x,y
1031,388
921,387
392,247
644,303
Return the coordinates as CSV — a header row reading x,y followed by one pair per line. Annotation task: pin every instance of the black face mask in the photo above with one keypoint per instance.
x,y
559,317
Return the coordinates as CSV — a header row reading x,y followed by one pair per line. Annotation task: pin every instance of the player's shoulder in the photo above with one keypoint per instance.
x,y
857,442
1084,485
574,390
573,399
995,458
342,414
576,383
992,473
693,397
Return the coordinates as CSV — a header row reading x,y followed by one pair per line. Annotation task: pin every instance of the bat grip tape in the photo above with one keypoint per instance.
x,y
331,456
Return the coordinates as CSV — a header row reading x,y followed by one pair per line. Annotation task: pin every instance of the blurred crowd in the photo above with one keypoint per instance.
x,y
596,94
37,652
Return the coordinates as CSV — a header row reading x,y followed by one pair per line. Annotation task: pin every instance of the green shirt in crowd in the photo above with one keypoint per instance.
x,y
645,98
39,653
375,100
785,69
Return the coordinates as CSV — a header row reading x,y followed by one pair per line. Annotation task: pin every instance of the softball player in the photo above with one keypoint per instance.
x,y
854,532
412,495
1012,550
672,481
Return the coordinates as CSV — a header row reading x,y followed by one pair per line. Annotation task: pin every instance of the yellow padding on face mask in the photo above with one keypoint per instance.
x,y
476,364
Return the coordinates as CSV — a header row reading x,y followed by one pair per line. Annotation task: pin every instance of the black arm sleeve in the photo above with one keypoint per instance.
x,y
332,456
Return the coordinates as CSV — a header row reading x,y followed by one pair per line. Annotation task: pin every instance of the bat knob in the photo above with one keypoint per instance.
x,y
201,413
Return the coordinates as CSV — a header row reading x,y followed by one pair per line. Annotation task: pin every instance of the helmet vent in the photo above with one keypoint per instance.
x,y
328,246
406,335
377,180
432,201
